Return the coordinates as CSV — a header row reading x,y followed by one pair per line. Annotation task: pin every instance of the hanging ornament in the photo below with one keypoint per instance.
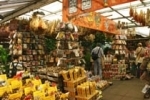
x,y
131,11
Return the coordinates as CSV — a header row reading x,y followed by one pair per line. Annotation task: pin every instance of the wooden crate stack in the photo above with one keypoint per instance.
x,y
71,84
87,91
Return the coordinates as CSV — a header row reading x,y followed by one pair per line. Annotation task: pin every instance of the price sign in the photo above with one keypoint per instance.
x,y
86,4
72,6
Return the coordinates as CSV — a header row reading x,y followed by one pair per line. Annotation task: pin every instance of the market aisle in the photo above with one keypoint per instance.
x,y
124,90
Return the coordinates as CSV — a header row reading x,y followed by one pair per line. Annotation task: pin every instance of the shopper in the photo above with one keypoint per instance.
x,y
98,62
140,52
145,66
16,66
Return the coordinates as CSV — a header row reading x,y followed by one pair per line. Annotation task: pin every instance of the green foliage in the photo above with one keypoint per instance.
x,y
3,55
108,39
50,44
3,60
100,37
87,58
86,44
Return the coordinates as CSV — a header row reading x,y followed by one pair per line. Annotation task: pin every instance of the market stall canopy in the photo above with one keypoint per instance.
x,y
14,8
9,6
53,10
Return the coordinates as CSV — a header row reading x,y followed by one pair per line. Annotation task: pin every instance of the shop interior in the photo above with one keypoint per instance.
x,y
46,49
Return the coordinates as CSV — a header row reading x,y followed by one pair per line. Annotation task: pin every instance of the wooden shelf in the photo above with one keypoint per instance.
x,y
35,45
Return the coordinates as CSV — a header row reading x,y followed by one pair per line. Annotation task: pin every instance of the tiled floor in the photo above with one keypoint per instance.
x,y
125,90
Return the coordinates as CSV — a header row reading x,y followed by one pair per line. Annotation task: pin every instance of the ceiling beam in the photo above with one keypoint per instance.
x,y
119,18
132,26
27,9
51,12
126,7
123,15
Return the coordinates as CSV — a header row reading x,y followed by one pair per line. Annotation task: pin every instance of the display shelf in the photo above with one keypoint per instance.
x,y
69,55
114,71
119,44
31,48
68,49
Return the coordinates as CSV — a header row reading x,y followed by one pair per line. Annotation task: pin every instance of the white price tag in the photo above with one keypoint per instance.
x,y
86,4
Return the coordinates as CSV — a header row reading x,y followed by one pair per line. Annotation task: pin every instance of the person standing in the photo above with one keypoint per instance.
x,y
15,66
98,62
140,52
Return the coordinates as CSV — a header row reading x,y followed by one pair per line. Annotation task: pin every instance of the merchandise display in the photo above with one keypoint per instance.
x,y
119,44
50,71
76,83
37,24
117,67
68,47
86,90
141,17
100,84
29,89
30,47
55,55
114,71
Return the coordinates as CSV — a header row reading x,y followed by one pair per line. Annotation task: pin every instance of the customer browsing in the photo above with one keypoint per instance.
x,y
97,60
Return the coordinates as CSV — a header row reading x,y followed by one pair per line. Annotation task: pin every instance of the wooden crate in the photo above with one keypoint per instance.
x,y
75,83
90,97
71,86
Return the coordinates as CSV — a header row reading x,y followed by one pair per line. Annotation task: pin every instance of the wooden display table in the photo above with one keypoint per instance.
x,y
90,97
